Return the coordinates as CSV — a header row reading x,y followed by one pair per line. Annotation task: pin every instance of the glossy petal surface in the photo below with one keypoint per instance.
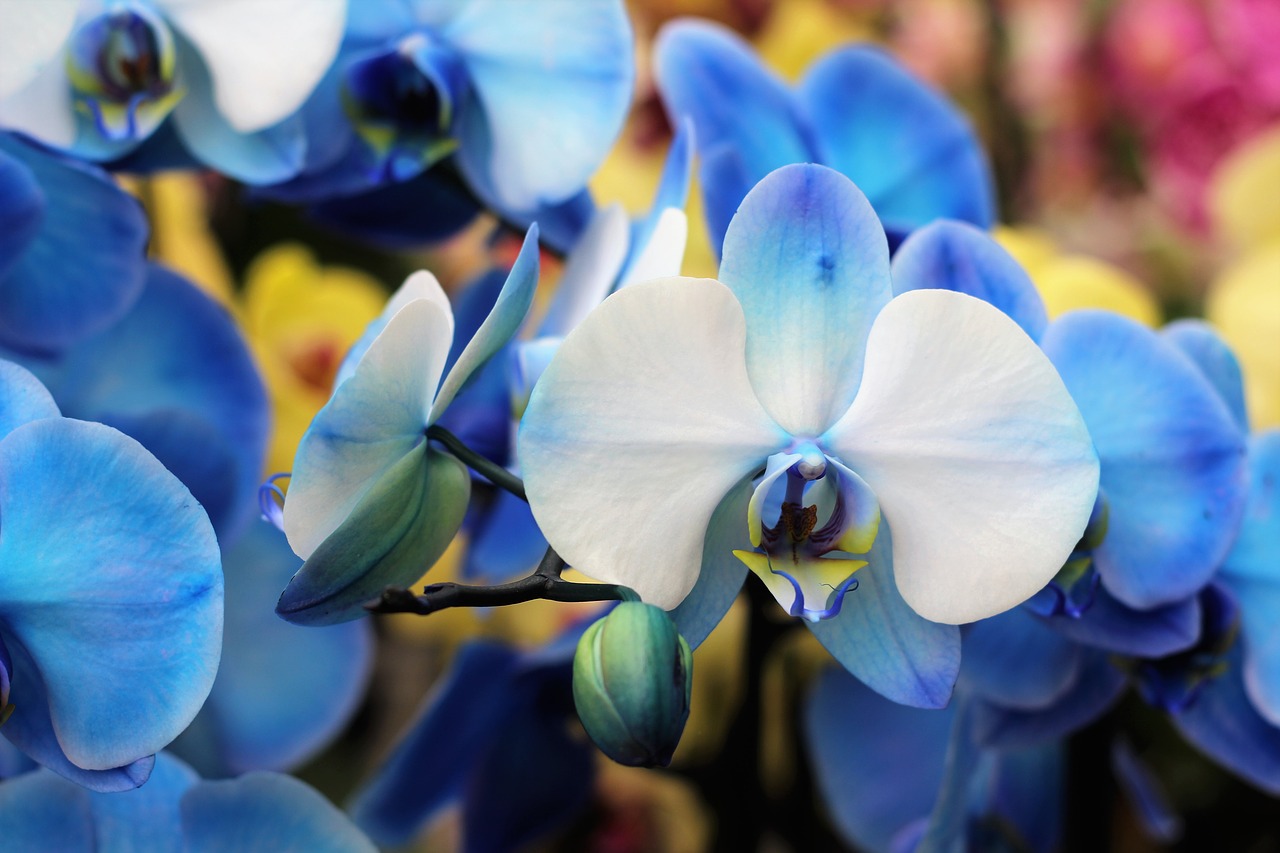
x,y
642,423
1173,465
961,420
807,260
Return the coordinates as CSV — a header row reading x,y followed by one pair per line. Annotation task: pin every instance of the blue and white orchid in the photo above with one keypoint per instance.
x,y
507,88
371,502
229,74
110,594
930,415
177,812
910,151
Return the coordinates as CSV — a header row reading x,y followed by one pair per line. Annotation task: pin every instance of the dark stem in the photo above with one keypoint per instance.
x,y
545,583
491,471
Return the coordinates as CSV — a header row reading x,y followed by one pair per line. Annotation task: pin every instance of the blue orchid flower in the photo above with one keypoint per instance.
x,y
892,777
494,735
282,692
911,152
371,502
110,594
228,78
897,443
72,248
178,812
175,375
502,88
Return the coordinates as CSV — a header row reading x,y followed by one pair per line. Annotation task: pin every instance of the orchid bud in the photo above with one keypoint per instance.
x,y
632,681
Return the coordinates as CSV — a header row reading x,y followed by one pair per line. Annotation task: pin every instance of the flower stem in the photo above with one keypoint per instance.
x,y
491,471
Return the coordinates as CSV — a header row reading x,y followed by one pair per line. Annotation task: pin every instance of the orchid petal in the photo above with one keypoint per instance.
x,y
981,461
910,150
43,109
589,272
951,255
807,260
374,419
1173,461
1015,660
1110,625
722,573
882,641
507,544
420,285
1096,689
553,84
40,811
21,210
1199,342
22,398
663,253
127,650
32,39
259,76
642,423
402,524
498,328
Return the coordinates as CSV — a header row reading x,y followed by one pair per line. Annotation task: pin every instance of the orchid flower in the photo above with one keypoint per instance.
x,y
930,416
856,110
177,812
110,594
230,74
372,503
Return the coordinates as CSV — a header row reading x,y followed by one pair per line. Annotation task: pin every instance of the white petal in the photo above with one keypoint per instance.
x,y
980,459
374,418
419,285
42,108
31,37
663,255
589,271
265,56
643,422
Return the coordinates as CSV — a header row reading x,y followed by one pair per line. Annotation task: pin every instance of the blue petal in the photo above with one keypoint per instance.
x,y
1108,624
117,607
1028,793
426,209
533,778
1252,573
552,84
268,156
13,761
807,260
1200,343
948,821
84,267
1158,819
878,765
722,573
1098,685
146,818
707,73
1017,661
886,644
282,692
431,763
1224,724
956,256
506,544
22,398
673,192
1173,471
40,811
910,150
265,813
176,375
21,210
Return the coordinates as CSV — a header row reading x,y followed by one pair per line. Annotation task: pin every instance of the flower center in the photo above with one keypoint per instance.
x,y
402,102
121,65
824,508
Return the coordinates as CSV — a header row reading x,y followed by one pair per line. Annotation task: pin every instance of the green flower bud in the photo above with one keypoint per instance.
x,y
632,681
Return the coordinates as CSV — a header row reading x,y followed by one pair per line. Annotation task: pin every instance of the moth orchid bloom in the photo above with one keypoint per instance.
x,y
371,503
653,440
110,594
230,74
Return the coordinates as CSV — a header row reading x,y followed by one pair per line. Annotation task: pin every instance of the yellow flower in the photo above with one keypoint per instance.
x,y
1244,303
1243,201
1067,282
300,319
